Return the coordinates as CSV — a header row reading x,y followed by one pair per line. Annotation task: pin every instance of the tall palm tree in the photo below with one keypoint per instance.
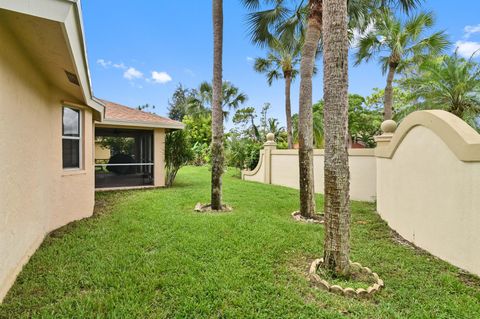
x,y
282,61
335,94
305,115
217,111
403,42
450,83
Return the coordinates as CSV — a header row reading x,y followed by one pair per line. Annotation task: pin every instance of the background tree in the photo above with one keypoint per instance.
x,y
246,118
403,42
217,111
401,101
335,92
275,128
246,138
231,98
449,83
146,107
181,103
282,61
363,121
198,133
318,138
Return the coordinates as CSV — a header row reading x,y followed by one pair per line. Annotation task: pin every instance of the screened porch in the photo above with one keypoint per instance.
x,y
123,157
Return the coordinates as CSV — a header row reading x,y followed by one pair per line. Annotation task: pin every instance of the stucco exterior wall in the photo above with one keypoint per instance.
x,y
159,157
36,194
280,167
429,193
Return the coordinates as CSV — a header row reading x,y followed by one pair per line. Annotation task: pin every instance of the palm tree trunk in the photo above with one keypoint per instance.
x,y
288,109
388,97
305,118
217,112
335,93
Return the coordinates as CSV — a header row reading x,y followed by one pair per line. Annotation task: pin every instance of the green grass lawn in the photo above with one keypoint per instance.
x,y
146,254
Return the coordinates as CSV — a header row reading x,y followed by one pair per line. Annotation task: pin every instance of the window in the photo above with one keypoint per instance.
x,y
71,138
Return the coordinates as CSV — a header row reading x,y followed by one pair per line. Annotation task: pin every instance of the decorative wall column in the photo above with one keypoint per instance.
x,y
388,128
268,146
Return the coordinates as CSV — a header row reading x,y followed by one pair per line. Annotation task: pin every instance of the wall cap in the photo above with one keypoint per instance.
x,y
460,137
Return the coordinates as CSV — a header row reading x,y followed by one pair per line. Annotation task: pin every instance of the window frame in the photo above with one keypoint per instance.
x,y
78,138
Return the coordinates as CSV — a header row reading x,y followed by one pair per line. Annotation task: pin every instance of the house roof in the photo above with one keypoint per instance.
x,y
117,114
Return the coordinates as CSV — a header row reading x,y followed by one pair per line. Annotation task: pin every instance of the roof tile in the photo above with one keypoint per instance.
x,y
118,112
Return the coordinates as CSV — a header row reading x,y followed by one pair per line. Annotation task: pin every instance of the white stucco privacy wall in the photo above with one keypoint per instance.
x,y
280,167
428,186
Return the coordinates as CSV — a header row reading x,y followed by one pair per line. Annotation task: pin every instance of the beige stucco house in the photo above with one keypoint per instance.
x,y
49,121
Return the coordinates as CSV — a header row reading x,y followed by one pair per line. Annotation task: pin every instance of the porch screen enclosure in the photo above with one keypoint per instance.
x,y
123,157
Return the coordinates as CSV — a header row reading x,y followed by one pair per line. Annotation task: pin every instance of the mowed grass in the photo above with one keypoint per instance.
x,y
146,254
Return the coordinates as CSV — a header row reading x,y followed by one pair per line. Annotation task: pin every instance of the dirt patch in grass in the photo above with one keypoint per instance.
x,y
318,218
469,279
355,280
207,208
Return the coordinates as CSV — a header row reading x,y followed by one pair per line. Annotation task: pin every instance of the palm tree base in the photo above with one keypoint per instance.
x,y
205,208
356,270
318,218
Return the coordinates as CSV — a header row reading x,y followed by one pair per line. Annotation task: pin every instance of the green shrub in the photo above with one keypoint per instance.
x,y
177,154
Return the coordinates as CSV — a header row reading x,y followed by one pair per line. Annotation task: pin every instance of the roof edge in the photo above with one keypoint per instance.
x,y
107,122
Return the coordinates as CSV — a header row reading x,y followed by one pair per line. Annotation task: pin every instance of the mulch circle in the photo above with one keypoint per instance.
x,y
319,219
207,208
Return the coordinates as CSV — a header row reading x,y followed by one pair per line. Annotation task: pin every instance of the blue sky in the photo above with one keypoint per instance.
x,y
139,51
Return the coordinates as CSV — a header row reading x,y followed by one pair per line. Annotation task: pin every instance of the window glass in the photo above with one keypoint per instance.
x,y
71,139
71,122
71,153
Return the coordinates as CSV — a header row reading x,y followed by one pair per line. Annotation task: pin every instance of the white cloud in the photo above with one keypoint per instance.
x,y
250,59
189,72
467,48
119,66
132,73
161,77
104,63
471,29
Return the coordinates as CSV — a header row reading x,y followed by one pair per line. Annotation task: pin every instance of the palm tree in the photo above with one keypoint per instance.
x,y
217,110
335,93
403,42
318,137
275,128
305,114
281,62
450,83
231,97
200,101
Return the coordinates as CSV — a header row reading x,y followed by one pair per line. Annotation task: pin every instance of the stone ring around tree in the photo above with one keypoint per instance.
x,y
348,292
